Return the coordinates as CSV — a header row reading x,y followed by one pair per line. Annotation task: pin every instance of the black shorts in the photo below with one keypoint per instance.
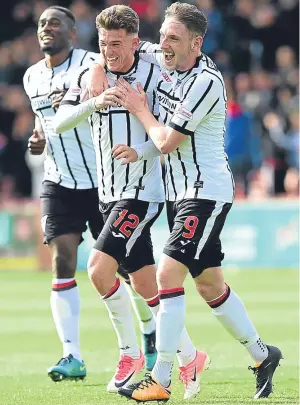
x,y
126,234
67,211
195,227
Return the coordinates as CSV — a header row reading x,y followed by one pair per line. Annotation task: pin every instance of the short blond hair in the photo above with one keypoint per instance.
x,y
118,17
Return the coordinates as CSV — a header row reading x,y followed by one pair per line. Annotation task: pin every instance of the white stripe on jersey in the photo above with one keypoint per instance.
x,y
194,103
209,227
70,158
140,180
151,212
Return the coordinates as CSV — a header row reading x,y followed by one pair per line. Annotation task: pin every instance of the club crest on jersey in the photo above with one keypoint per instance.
x,y
129,79
183,113
166,77
198,184
178,83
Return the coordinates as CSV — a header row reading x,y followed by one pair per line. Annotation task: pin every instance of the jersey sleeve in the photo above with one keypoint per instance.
x,y
150,53
77,87
146,150
87,59
200,96
72,110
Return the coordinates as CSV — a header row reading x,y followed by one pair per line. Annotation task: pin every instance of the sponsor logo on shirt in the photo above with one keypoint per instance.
x,y
163,100
167,77
41,103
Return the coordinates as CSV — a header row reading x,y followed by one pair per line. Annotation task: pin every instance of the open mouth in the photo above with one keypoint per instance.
x,y
112,60
168,56
47,38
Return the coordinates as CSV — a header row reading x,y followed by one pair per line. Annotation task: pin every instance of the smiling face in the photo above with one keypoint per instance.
x,y
180,48
55,31
117,48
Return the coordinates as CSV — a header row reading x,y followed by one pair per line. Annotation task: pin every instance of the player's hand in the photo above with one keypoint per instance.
x,y
36,143
124,152
135,101
58,96
110,97
96,82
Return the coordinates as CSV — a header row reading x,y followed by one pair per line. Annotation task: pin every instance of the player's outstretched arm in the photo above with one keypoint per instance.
x,y
201,101
164,138
73,110
71,115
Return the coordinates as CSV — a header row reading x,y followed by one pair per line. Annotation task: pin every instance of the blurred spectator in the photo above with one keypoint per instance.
x,y
288,141
215,27
242,144
267,32
291,183
85,22
239,33
286,64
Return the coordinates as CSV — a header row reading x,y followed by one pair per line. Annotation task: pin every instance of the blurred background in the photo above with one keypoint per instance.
x,y
255,44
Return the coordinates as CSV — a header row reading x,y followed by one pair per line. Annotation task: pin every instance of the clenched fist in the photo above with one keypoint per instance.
x,y
36,143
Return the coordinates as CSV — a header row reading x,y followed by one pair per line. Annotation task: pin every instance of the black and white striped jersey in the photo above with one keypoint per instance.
x,y
194,103
141,180
70,158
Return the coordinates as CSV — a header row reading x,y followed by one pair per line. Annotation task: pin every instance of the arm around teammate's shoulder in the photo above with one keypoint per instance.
x,y
150,52
73,109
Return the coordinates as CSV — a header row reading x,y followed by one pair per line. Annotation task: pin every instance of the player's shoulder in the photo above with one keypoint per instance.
x,y
149,67
148,47
36,66
204,73
84,57
32,70
208,68
80,75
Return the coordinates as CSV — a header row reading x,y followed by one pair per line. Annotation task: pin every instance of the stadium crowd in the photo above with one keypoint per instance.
x,y
253,42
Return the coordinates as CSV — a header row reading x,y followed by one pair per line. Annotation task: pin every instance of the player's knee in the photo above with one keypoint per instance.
x,y
94,270
62,266
91,267
147,288
210,291
164,280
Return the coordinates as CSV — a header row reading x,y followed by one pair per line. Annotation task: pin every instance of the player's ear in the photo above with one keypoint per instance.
x,y
135,43
73,33
197,43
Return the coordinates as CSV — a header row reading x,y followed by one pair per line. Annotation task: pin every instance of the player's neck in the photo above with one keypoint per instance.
x,y
190,63
57,59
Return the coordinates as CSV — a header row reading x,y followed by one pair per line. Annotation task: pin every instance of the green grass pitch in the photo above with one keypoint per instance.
x,y
29,345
